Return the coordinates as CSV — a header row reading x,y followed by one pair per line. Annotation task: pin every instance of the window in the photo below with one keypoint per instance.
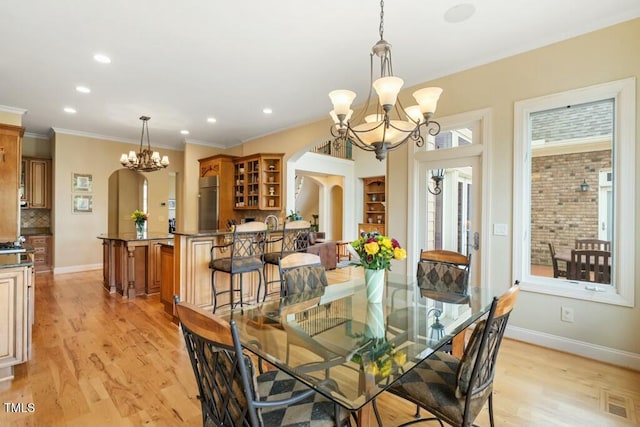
x,y
571,153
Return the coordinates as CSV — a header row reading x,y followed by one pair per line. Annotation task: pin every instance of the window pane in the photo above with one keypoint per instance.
x,y
571,189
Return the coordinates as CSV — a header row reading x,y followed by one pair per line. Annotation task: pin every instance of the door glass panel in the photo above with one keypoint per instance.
x,y
571,184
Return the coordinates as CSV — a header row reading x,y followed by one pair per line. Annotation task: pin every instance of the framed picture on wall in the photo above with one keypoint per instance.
x,y
82,203
82,182
172,203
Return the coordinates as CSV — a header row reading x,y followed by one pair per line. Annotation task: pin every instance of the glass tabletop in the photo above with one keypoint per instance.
x,y
351,350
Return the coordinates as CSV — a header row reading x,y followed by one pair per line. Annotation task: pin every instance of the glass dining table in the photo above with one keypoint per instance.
x,y
350,350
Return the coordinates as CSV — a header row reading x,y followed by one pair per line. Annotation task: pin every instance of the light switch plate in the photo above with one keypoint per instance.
x,y
500,229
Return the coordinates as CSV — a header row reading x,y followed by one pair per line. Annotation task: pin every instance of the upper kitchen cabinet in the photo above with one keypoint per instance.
x,y
258,182
10,155
35,183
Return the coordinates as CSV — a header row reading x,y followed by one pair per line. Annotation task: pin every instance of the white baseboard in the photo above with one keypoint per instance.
x,y
77,268
592,351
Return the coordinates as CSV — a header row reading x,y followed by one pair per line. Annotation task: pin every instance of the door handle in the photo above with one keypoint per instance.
x,y
476,241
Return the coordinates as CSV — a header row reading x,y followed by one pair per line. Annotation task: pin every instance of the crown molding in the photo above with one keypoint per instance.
x,y
13,110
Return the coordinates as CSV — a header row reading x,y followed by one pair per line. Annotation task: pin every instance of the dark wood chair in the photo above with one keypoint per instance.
x,y
230,390
455,390
594,244
590,265
557,272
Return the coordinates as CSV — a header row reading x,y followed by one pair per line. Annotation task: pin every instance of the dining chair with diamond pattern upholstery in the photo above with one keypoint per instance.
x,y
232,393
442,273
455,390
302,272
246,255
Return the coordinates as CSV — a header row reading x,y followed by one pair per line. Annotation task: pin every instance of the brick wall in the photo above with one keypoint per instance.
x,y
560,212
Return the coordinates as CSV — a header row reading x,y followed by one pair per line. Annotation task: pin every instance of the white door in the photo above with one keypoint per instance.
x,y
452,220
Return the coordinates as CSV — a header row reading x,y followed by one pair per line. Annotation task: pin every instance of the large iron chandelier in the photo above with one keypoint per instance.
x,y
144,160
391,125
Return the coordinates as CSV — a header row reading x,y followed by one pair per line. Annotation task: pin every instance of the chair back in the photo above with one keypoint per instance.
x,y
213,354
554,261
590,266
595,244
248,241
296,236
443,272
302,272
477,367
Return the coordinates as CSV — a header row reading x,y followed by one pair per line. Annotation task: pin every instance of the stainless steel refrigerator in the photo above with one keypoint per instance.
x,y
208,204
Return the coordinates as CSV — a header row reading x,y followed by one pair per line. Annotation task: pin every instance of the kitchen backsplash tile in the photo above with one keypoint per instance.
x,y
35,218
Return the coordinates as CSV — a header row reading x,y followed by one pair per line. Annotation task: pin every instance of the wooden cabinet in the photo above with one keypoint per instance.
x,y
42,252
35,183
10,156
15,331
258,182
222,166
167,290
374,205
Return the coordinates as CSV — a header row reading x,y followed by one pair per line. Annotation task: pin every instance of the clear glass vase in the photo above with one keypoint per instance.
x,y
140,229
374,279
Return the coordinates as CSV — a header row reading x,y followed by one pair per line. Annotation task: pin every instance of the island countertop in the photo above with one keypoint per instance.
x,y
193,233
131,237
15,260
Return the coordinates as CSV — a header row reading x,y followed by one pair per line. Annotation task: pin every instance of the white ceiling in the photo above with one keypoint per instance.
x,y
183,61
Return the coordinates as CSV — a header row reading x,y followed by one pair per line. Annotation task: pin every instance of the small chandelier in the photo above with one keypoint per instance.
x,y
144,160
380,132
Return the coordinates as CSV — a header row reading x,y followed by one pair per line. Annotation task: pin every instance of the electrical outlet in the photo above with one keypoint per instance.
x,y
566,314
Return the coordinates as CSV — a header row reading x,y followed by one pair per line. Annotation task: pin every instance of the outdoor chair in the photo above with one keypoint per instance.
x,y
557,272
594,244
590,266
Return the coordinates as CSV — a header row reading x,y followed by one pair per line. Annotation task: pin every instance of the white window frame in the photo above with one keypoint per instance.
x,y
623,246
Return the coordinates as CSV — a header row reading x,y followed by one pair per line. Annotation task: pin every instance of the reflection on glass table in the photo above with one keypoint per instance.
x,y
362,347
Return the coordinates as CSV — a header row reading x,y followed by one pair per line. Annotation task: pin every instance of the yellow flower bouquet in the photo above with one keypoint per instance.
x,y
139,217
377,251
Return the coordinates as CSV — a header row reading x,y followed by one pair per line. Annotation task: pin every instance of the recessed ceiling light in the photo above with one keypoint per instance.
x,y
460,12
103,59
83,89
267,110
184,132
211,119
70,110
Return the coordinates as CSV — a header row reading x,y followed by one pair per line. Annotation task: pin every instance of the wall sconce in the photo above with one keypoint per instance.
x,y
437,176
584,186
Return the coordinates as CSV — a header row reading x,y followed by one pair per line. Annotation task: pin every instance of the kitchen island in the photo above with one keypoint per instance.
x,y
130,266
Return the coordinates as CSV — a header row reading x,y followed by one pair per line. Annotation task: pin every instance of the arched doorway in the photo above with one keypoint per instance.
x,y
128,191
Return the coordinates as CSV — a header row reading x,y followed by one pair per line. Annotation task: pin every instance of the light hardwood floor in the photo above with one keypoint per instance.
x,y
100,360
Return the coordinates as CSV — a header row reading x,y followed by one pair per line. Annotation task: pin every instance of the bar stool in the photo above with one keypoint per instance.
x,y
294,238
246,255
